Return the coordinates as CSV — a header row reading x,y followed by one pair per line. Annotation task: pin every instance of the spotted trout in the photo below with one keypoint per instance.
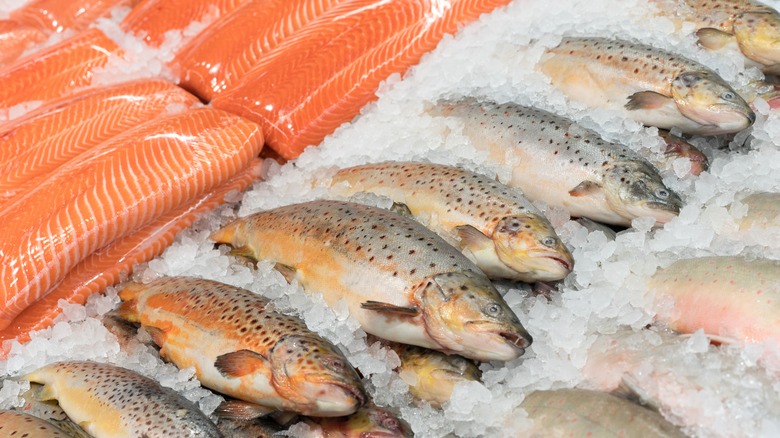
x,y
241,349
747,25
18,424
110,401
559,162
727,297
369,422
646,84
495,226
583,413
401,281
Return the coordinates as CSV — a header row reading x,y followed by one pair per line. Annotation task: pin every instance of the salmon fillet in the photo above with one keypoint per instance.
x,y
220,55
110,264
112,190
15,38
57,70
59,15
151,19
321,77
36,144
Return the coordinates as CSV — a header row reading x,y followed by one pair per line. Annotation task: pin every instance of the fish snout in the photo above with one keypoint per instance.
x,y
706,99
336,399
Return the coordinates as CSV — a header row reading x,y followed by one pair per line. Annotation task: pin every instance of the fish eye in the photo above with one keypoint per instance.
x,y
548,241
662,193
390,423
728,95
493,309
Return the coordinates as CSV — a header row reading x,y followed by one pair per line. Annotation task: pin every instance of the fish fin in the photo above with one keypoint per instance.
x,y
471,237
379,306
285,418
240,363
714,39
585,188
646,100
47,392
401,209
241,410
244,252
287,271
157,334
128,311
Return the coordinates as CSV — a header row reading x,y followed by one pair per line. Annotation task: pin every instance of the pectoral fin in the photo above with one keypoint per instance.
x,y
288,272
472,238
402,209
244,252
714,39
240,363
585,188
241,410
645,100
157,335
390,308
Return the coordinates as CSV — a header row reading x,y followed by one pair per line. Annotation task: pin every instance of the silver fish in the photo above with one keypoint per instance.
x,y
559,162
401,281
646,84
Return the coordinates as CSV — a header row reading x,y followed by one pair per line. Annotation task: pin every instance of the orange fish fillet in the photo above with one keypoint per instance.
x,y
220,55
112,190
151,19
59,15
34,145
321,77
15,38
110,264
57,70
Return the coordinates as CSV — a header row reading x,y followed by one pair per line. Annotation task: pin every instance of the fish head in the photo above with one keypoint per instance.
x,y
527,243
368,422
635,189
758,37
465,314
312,374
677,147
706,99
437,373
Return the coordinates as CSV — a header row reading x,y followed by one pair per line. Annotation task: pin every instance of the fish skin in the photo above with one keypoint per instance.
x,y
163,164
34,145
60,15
15,38
522,243
369,422
368,255
201,322
559,162
579,412
224,52
258,428
752,26
114,262
646,84
58,70
110,401
18,424
763,211
151,19
50,412
431,375
729,297
322,77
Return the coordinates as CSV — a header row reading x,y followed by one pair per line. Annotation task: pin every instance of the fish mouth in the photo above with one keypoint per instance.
x,y
672,208
355,392
520,343
568,265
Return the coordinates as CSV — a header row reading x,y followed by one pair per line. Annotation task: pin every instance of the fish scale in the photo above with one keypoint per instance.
x,y
646,84
240,348
495,226
401,281
558,162
110,401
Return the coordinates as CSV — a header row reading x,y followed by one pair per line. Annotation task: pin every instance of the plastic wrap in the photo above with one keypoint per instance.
x,y
322,76
111,263
151,19
34,145
222,54
112,190
57,70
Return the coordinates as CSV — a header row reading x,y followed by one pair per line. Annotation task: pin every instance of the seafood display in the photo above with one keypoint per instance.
x,y
593,178
652,86
604,171
495,227
106,400
255,355
429,294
